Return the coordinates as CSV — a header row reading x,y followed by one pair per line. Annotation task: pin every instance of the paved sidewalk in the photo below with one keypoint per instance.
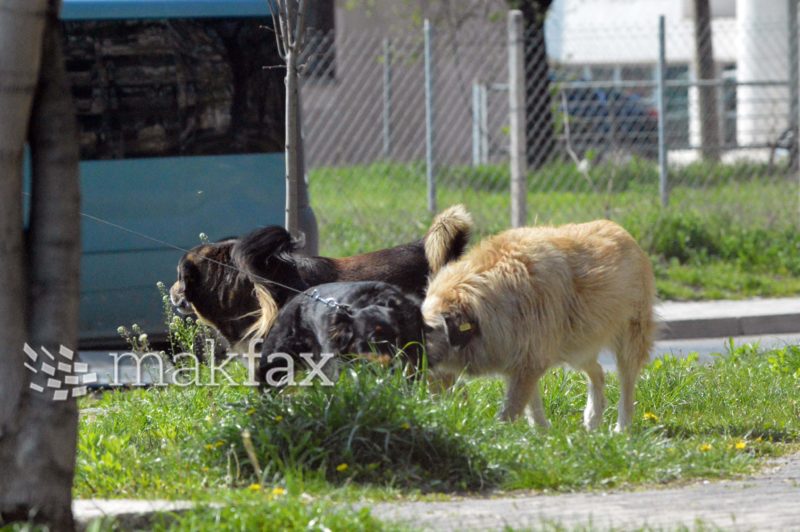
x,y
769,501
714,319
128,513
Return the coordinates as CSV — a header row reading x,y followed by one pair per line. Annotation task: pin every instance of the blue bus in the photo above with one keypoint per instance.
x,y
181,132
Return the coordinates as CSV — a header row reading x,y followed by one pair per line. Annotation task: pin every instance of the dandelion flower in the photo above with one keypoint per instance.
x,y
740,445
705,447
278,491
405,425
649,416
254,487
341,468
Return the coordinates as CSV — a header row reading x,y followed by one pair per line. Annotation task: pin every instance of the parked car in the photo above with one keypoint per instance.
x,y
607,120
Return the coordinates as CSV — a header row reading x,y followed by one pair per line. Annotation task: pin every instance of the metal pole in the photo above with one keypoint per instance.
x,y
484,123
662,118
516,110
429,118
387,98
476,124
794,82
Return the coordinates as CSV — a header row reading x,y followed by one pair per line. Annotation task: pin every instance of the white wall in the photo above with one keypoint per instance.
x,y
626,31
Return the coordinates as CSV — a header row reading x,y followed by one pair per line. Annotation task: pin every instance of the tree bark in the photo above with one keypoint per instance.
x,y
38,478
292,141
21,29
707,95
540,126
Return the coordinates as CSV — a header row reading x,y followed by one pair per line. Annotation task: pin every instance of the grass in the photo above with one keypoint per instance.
x,y
731,231
296,459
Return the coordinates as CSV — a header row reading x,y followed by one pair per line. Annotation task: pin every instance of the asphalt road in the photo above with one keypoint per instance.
x,y
707,348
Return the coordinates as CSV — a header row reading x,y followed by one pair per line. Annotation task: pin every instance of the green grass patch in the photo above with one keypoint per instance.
x,y
731,231
379,436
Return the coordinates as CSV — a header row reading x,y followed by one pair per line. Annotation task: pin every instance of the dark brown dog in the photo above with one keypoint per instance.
x,y
224,283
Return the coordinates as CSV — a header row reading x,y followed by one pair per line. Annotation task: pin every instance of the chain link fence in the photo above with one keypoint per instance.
x,y
617,126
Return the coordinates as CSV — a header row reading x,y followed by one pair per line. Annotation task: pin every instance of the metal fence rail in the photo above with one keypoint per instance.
x,y
397,126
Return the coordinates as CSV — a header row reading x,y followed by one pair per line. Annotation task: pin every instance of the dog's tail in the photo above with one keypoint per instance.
x,y
265,255
447,237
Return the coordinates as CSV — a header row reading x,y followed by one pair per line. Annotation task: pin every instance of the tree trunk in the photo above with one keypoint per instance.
x,y
539,127
292,142
707,96
21,28
38,478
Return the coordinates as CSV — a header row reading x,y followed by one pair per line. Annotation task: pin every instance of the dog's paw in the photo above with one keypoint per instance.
x,y
619,429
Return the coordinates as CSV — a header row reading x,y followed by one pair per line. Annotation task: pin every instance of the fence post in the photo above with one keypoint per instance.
x,y
516,110
387,98
484,123
794,83
476,124
429,118
663,185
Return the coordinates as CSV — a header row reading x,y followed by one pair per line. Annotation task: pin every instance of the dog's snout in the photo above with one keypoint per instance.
x,y
177,297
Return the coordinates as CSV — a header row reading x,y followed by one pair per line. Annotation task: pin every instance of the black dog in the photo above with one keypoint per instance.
x,y
371,317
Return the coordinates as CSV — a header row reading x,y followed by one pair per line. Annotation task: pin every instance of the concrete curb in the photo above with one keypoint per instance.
x,y
724,318
730,326
127,513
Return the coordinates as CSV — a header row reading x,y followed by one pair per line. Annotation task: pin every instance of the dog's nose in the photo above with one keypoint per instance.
x,y
178,299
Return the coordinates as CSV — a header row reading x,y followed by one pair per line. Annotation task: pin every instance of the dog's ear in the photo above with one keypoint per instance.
x,y
340,333
393,302
460,329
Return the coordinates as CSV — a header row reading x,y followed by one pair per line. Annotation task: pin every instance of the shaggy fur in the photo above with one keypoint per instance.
x,y
530,298
378,319
216,281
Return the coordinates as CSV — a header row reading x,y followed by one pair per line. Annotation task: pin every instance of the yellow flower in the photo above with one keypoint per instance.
x,y
741,444
759,439
254,487
251,411
649,416
341,468
278,419
705,447
405,425
278,491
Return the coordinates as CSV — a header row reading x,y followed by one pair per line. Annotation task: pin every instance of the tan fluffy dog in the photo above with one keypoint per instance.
x,y
530,298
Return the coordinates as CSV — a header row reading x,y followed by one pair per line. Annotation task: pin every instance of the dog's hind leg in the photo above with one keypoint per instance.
x,y
523,389
633,346
595,397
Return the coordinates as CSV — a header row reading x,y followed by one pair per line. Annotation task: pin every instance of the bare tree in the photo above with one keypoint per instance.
x,y
289,23
539,123
705,71
39,275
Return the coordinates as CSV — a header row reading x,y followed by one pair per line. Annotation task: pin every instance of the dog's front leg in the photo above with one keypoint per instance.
x,y
523,388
